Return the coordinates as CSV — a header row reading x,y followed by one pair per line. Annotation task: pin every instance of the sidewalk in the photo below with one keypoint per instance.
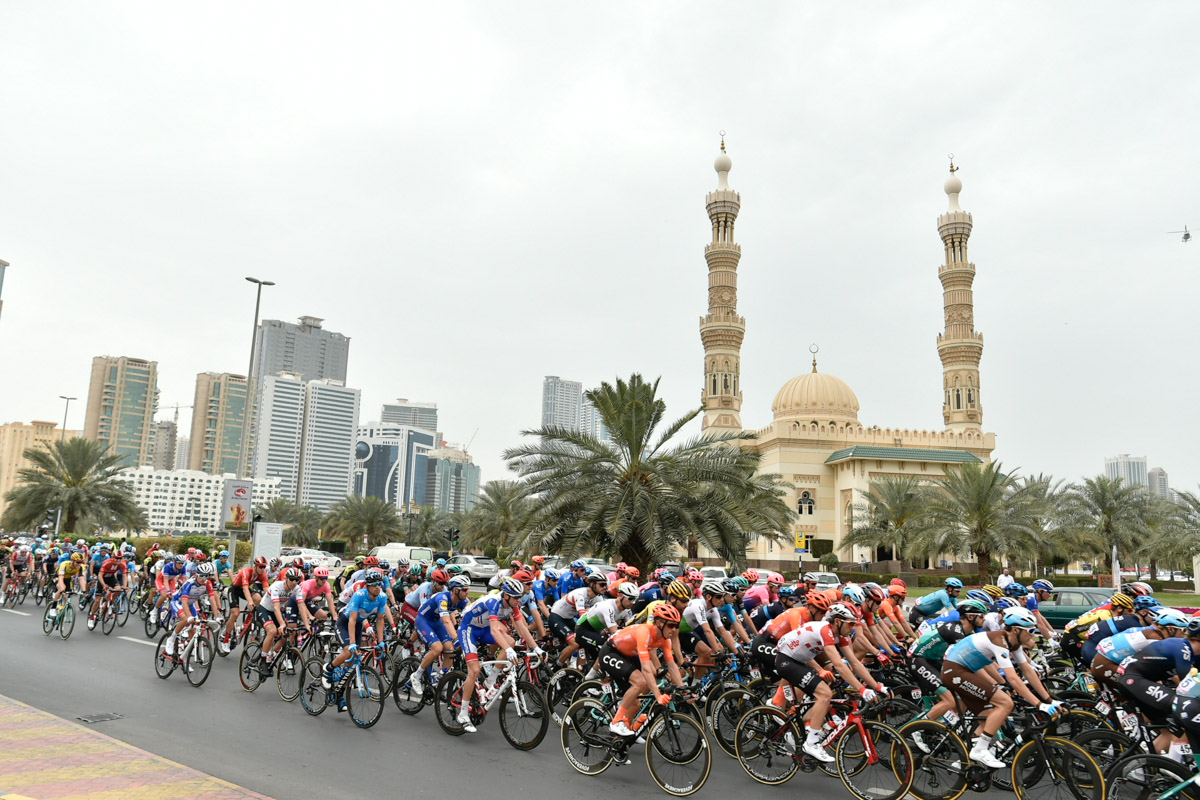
x,y
44,757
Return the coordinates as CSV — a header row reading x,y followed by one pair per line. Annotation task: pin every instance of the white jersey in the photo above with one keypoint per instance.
x,y
574,603
809,641
609,613
698,613
278,593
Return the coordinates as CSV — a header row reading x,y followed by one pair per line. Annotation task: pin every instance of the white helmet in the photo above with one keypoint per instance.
x,y
205,569
627,589
713,586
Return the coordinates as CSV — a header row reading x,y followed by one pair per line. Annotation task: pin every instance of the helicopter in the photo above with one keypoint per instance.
x,y
1187,235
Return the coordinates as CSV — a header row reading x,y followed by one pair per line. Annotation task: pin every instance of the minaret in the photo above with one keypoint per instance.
x,y
722,330
961,346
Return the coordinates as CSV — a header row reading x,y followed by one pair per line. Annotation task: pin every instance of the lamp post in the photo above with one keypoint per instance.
x,y
63,434
247,411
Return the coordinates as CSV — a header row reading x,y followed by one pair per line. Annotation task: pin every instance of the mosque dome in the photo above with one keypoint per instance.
x,y
816,396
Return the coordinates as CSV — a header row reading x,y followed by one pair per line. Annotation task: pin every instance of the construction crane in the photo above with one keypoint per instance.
x,y
467,446
177,406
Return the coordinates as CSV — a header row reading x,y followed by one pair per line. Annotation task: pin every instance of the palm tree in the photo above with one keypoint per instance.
x,y
639,495
1109,513
81,478
498,515
978,510
1047,502
894,509
279,509
306,526
367,520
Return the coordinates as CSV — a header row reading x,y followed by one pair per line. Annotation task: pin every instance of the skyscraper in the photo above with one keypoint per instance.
x,y
218,414
280,420
15,439
182,451
162,445
591,422
1159,484
122,400
389,462
327,446
305,349
561,402
405,412
1130,469
452,482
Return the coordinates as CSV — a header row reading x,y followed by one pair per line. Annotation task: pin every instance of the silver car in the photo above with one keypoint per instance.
x,y
480,569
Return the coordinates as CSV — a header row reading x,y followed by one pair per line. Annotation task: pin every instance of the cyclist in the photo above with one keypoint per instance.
x,y
892,610
200,584
69,571
926,655
358,564
1145,673
653,590
1076,631
313,589
20,564
1112,653
1145,611
933,604
630,659
972,669
571,606
767,593
247,587
598,623
413,600
112,577
807,583
166,582
701,629
828,643
631,575
272,608
761,616
435,626
762,648
482,624
365,604
222,564
545,591
884,641
620,573
573,579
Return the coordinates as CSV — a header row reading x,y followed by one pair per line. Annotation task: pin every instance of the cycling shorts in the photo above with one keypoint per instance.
x,y
267,616
470,638
762,654
1151,697
112,580
798,673
616,665
590,639
408,613
431,632
1186,710
561,627
1106,672
343,629
975,689
926,674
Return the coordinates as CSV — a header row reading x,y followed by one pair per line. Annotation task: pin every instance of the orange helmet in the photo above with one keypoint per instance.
x,y
818,601
898,591
898,582
751,575
666,612
539,560
633,572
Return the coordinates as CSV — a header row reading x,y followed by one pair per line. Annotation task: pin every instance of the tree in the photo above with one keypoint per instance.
x,y
497,516
81,478
1046,509
640,495
301,524
1109,513
977,510
895,509
428,529
357,518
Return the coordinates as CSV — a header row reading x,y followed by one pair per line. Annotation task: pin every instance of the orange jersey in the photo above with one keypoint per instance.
x,y
641,639
891,610
787,622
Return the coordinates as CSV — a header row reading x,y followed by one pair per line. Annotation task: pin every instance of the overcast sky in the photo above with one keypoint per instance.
x,y
480,195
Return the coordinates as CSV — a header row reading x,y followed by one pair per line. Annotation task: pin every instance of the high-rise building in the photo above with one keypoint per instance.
x,y
122,400
591,422
406,412
185,501
218,414
304,348
1159,485
1130,469
452,480
561,402
389,462
15,439
182,451
279,426
162,445
327,447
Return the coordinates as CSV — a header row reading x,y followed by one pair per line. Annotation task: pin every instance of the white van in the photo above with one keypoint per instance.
x,y
393,551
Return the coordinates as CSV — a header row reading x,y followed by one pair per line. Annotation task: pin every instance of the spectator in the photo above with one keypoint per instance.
x,y
864,562
1005,579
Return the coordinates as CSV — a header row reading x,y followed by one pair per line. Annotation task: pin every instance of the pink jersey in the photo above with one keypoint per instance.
x,y
761,594
310,590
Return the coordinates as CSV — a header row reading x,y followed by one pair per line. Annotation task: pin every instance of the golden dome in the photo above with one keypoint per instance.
x,y
816,396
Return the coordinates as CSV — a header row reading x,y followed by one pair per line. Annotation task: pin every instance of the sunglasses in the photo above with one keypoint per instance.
x,y
672,625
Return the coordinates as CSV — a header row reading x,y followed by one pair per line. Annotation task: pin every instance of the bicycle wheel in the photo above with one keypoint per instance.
x,y
151,628
198,663
677,754
939,761
1105,746
724,714
874,761
447,700
48,620
66,621
386,667
586,740
314,698
289,674
123,602
108,618
408,701
523,716
164,665
1075,723
248,672
1141,776
1055,768
23,592
767,745
559,691
364,697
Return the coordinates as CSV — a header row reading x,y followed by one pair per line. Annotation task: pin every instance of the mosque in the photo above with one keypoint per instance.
x,y
816,441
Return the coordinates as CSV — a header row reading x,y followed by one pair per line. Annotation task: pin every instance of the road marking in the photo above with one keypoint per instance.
x,y
138,641
22,613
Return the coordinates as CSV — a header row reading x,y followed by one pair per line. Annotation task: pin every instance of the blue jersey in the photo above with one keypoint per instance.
x,y
1031,601
222,567
96,560
544,593
479,614
932,604
1105,629
171,570
569,583
419,595
1123,645
978,650
364,604
1163,659
436,605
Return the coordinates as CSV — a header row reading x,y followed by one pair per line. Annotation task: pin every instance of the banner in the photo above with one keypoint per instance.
x,y
236,508
268,539
801,541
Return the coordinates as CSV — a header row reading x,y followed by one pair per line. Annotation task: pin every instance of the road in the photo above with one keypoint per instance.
x,y
259,742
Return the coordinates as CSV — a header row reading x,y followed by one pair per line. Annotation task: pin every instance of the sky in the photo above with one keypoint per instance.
x,y
483,194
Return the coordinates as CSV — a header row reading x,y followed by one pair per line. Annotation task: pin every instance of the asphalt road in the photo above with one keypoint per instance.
x,y
259,742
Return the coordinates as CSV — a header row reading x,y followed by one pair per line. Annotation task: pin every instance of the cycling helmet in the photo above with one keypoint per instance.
x,y
818,601
633,572
178,558
523,575
289,574
551,574
680,590
971,606
729,586
459,582
595,577
384,564
627,589
981,596
895,590
787,593
200,556
1006,602
666,613
77,557
658,573
360,561
275,563
1042,585
742,583
206,570
539,560
453,569
1121,600
321,572
1194,624
578,564
810,577
854,593
260,562
223,554
875,592
1023,618
751,575
106,547
191,551
994,590
952,583
371,561
695,575
439,576
713,586
373,578
1170,618
842,611
441,562
665,578
621,566
515,564
774,577
512,587
1015,589
1136,588
1142,602
402,562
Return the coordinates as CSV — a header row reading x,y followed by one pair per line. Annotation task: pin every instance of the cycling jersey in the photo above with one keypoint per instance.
x,y
438,605
891,610
758,595
977,651
932,604
606,614
248,576
639,640
1162,659
279,594
113,566
309,590
1104,629
69,569
366,606
480,613
193,589
419,595
763,614
1102,611
574,603
545,593
808,641
171,570
696,614
787,622
1125,644
933,645
569,583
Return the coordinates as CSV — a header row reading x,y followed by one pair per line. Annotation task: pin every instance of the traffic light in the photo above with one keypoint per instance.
x,y
454,534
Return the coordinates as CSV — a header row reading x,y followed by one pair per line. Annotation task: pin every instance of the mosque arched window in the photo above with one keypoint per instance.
x,y
806,504
714,391
971,398
958,398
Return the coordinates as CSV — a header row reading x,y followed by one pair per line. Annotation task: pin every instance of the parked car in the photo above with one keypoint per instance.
x,y
714,572
397,550
479,569
828,580
1068,603
600,564
673,567
318,557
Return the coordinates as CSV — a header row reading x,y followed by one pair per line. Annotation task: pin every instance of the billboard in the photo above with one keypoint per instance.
x,y
268,539
236,510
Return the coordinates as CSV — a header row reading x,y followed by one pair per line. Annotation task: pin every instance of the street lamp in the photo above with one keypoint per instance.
x,y
246,412
63,434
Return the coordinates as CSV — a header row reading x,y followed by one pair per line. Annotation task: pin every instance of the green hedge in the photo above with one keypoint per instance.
x,y
940,579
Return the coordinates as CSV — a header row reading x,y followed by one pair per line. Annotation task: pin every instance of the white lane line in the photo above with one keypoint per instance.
x,y
22,613
138,641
